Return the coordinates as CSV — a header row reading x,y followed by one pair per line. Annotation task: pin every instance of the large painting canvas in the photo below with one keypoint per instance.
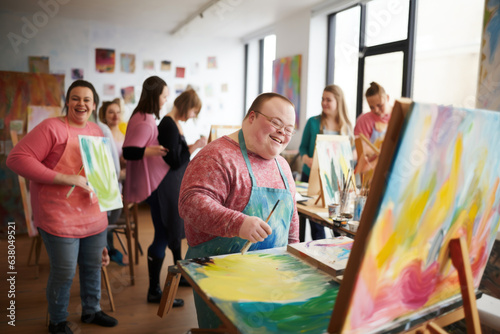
x,y
268,292
488,91
286,81
443,183
18,91
100,171
334,157
37,114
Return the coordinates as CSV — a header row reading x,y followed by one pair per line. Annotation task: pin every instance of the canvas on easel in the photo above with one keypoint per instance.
x,y
217,131
331,160
437,181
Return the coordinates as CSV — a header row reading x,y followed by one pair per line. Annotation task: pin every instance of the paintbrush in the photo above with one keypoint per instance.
x,y
249,243
73,186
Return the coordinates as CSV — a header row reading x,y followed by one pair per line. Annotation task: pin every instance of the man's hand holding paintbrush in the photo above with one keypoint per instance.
x,y
249,243
254,229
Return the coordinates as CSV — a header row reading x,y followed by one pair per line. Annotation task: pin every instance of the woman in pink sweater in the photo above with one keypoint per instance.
x,y
72,227
146,170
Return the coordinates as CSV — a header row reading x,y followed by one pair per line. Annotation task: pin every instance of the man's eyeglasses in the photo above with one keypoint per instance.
x,y
278,124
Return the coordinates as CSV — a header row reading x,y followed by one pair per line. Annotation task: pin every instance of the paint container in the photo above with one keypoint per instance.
x,y
353,225
333,210
359,205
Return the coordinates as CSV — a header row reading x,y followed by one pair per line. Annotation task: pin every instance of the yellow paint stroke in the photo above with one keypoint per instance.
x,y
255,278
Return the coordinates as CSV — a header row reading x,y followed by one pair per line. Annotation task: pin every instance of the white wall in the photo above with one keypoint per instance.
x,y
292,38
71,43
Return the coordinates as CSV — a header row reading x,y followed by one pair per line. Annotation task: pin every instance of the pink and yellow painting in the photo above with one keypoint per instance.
x,y
36,114
286,80
443,184
105,60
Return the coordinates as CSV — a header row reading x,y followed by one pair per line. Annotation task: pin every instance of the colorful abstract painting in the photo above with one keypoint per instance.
x,y
105,60
127,62
330,255
100,171
128,94
38,64
334,155
268,292
36,114
444,183
488,91
286,80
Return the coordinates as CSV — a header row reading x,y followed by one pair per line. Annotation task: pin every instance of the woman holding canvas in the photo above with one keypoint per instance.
x,y
72,226
333,120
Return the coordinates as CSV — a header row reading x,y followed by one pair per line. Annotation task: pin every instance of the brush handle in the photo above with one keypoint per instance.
x,y
246,247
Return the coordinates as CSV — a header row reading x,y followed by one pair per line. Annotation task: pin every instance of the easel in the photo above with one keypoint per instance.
x,y
217,131
459,255
36,242
316,182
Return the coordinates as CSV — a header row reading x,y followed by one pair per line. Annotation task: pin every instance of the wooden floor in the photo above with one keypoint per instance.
x,y
134,314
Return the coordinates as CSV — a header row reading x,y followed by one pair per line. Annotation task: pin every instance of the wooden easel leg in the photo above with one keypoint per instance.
x,y
435,329
460,259
169,291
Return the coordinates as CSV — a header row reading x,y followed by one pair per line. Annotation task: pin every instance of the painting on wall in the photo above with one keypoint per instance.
x,y
276,292
166,65
442,183
331,163
148,65
38,64
128,94
286,81
488,91
100,171
211,62
180,72
127,62
109,89
77,73
19,90
105,60
37,114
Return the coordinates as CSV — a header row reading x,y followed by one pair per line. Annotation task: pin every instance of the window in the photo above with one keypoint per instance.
x,y
432,60
259,57
371,42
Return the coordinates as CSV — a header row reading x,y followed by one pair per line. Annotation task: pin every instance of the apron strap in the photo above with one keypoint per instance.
x,y
243,149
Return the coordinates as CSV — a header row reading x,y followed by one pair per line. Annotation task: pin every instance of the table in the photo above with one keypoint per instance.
x,y
318,215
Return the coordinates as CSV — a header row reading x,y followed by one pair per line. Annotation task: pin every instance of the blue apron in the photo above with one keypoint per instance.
x,y
260,204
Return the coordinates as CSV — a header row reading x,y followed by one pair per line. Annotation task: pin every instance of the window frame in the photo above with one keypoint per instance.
x,y
407,46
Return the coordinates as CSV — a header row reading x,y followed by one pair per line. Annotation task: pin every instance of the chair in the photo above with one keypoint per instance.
x,y
127,225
